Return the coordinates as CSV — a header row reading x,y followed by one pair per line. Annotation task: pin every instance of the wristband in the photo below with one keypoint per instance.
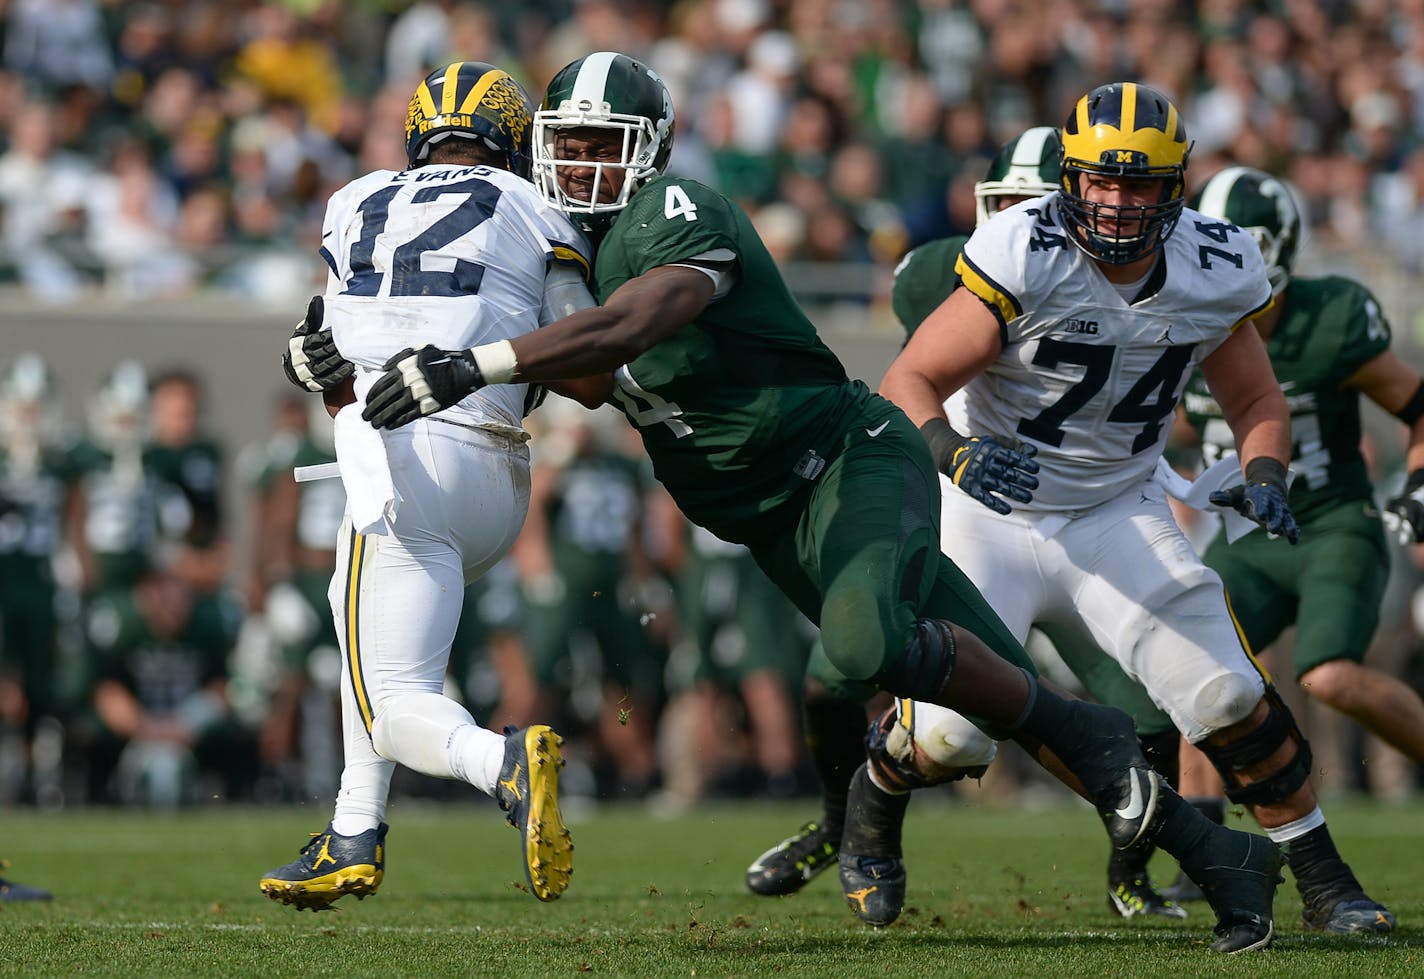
x,y
1415,480
1267,471
943,441
1413,409
496,361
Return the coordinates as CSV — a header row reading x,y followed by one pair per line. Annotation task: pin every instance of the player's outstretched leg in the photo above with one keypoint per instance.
x,y
329,867
528,791
1184,890
833,737
1130,889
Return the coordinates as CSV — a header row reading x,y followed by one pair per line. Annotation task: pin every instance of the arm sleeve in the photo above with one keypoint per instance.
x,y
564,292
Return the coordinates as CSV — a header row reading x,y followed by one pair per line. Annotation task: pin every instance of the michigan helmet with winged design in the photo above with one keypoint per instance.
x,y
475,101
1128,131
1026,166
1262,206
611,92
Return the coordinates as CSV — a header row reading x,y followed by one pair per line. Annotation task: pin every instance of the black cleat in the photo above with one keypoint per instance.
x,y
1131,898
874,887
1238,872
1131,820
1347,913
794,862
1130,889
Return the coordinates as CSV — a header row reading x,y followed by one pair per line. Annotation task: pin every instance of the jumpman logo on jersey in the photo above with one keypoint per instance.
x,y
1166,336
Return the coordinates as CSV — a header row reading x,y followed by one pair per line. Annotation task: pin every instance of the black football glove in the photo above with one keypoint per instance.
x,y
1262,498
984,466
420,382
1404,515
312,361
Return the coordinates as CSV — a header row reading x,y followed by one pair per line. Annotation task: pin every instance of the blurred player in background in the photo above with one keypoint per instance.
x,y
36,478
1329,344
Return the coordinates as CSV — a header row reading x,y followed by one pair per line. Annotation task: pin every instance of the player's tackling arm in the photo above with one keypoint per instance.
x,y
595,341
639,315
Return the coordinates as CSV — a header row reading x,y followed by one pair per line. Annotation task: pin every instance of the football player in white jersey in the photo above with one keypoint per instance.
x,y
457,249
1081,317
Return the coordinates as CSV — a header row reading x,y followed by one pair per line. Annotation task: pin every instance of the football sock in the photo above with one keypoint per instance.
x,y
874,823
1317,865
835,732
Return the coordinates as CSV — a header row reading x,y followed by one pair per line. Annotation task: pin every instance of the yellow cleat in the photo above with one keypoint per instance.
x,y
528,791
330,867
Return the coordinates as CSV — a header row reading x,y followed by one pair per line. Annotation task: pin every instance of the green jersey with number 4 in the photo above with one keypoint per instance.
x,y
1328,329
731,405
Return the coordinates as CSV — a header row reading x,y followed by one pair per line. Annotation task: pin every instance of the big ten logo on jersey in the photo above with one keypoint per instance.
x,y
1084,327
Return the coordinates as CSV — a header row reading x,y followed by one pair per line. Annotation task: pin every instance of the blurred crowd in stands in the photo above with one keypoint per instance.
x,y
155,147
170,147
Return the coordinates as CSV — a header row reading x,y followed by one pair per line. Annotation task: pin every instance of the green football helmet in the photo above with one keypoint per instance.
x,y
474,101
1262,206
1130,131
611,92
1026,166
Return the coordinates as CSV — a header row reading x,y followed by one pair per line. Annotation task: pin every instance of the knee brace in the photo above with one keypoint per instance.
x,y
1256,746
926,665
949,749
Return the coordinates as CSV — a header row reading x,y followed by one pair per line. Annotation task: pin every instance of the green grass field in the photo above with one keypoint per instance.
x,y
993,892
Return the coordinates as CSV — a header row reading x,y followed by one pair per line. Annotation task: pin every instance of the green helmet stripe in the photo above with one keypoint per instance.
x,y
1029,148
592,80
1217,192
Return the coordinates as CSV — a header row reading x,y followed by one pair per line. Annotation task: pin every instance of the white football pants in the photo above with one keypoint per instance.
x,y
397,598
1124,576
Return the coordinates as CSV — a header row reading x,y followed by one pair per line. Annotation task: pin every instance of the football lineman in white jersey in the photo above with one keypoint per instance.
x,y
1081,317
456,250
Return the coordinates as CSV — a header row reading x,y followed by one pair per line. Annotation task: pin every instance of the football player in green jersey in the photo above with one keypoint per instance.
x,y
1329,343
759,436
36,481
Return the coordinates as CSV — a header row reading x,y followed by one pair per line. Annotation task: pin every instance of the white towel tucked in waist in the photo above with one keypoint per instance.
x,y
371,496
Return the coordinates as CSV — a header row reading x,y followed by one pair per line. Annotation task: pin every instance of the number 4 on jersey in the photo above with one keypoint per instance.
x,y
676,202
